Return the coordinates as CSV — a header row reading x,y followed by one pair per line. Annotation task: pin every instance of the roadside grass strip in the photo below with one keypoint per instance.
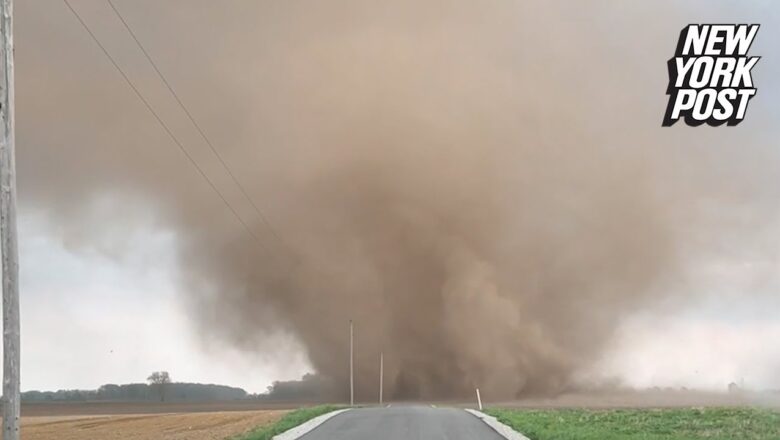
x,y
643,424
287,422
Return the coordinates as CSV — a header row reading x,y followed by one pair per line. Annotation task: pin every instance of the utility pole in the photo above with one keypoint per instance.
x,y
8,246
381,375
351,369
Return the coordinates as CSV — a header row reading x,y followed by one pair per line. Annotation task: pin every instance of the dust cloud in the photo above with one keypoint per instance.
x,y
484,195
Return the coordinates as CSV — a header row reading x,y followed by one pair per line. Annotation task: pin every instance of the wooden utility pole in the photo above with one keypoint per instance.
x,y
351,370
8,246
381,375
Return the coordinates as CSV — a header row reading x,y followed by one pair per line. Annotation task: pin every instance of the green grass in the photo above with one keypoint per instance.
x,y
644,424
290,420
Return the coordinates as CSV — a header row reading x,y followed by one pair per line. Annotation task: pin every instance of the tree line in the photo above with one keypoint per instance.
x,y
175,391
309,388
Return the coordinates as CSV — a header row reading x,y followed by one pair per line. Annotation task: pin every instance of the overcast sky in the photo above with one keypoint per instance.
x,y
95,313
90,319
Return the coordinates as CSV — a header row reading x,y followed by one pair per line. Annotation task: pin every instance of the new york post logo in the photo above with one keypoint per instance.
x,y
710,75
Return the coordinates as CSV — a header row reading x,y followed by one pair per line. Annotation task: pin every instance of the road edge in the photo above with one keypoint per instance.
x,y
502,429
308,426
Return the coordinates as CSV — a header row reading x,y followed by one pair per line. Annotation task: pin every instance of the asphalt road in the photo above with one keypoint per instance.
x,y
403,423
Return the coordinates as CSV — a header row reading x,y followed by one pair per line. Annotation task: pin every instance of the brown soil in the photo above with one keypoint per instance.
x,y
190,426
35,409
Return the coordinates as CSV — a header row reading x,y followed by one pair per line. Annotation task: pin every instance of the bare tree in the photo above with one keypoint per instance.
x,y
160,380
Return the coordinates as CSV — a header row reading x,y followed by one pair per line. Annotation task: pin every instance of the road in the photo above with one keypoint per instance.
x,y
403,423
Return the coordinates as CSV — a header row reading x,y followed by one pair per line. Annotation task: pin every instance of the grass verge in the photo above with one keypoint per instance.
x,y
289,420
644,424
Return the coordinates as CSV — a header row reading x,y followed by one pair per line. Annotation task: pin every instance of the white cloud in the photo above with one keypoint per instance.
x,y
696,349
90,319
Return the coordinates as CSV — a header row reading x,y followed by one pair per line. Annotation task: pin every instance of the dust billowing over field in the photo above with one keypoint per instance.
x,y
444,174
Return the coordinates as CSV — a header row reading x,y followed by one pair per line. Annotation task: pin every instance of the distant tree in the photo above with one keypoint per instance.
x,y
109,392
311,387
159,380
140,392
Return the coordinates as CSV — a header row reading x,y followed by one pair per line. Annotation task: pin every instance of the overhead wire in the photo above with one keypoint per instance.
x,y
163,124
194,123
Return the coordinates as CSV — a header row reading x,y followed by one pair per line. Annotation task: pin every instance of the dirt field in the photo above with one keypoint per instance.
x,y
115,408
634,399
180,426
219,420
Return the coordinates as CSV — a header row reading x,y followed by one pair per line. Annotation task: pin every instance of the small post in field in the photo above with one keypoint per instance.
x,y
351,367
479,400
381,375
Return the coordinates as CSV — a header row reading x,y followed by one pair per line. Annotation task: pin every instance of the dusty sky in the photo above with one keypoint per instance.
x,y
102,292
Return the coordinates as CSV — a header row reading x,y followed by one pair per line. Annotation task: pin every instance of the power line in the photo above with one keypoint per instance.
x,y
162,123
192,120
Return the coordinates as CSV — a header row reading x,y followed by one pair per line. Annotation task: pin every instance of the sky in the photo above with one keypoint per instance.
x,y
103,297
91,319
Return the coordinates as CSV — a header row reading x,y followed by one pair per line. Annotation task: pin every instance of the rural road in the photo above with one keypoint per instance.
x,y
403,423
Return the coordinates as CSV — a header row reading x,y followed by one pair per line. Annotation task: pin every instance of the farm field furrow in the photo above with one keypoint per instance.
x,y
179,426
